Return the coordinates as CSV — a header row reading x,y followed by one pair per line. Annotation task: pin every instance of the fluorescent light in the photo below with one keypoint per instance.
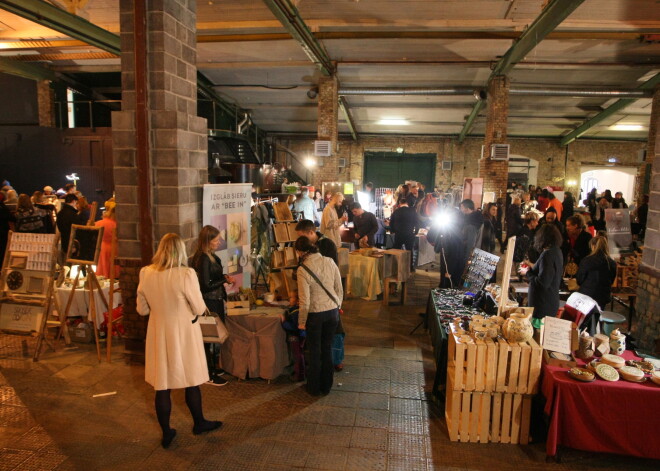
x,y
627,127
394,122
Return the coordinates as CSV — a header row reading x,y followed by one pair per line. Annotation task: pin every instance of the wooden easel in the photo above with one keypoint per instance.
x,y
26,297
92,281
111,294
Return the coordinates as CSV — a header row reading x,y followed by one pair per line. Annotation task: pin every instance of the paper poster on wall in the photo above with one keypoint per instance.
x,y
617,222
227,207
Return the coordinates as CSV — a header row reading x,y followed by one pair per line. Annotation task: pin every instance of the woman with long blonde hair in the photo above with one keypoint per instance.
x,y
174,355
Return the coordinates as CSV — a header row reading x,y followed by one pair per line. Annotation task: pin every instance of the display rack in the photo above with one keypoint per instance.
x,y
479,270
28,271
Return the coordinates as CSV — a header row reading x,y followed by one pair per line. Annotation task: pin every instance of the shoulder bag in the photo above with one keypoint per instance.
x,y
213,329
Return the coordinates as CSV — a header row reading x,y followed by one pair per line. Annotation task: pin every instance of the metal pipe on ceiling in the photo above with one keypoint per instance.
x,y
480,94
581,92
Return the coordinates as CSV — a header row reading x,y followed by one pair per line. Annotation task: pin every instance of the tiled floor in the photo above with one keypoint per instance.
x,y
378,416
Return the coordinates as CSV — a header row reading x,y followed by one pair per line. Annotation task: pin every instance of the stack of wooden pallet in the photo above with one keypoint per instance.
x,y
490,384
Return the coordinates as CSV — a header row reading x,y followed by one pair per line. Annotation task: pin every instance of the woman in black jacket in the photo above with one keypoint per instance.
x,y
489,234
212,284
545,275
597,272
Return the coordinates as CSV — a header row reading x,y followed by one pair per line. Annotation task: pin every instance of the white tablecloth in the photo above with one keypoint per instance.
x,y
80,304
426,252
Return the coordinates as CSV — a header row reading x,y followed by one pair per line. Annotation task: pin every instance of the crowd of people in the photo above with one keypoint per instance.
x,y
48,212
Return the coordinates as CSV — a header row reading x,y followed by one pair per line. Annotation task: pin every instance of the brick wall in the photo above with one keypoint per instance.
x,y
135,324
553,167
46,104
650,145
646,324
328,110
177,141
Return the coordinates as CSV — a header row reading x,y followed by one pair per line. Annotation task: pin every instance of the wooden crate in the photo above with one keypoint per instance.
x,y
483,417
494,365
281,233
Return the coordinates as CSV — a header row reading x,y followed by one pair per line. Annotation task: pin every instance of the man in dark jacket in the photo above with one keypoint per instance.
x,y
67,217
364,224
576,240
404,225
473,223
513,218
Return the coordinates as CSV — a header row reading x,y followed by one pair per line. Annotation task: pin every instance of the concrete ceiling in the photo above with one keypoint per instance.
x,y
251,60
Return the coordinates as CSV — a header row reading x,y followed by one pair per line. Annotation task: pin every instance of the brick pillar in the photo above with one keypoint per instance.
x,y
328,111
167,193
644,168
495,172
46,104
646,323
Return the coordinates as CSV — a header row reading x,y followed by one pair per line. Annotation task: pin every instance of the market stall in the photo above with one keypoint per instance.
x,y
80,305
256,346
601,415
369,269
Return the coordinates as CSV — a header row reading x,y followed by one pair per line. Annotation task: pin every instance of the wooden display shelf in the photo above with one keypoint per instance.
x,y
494,365
282,212
485,417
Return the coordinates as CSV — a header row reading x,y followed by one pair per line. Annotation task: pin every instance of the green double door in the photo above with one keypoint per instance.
x,y
390,169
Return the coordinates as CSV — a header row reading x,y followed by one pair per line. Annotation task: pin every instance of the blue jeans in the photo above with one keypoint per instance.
x,y
321,328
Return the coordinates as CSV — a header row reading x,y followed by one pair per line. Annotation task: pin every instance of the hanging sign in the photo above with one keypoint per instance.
x,y
227,207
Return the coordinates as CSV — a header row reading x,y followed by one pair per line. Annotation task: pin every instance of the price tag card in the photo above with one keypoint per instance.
x,y
557,335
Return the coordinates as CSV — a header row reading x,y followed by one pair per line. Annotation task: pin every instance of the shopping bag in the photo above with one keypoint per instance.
x,y
212,327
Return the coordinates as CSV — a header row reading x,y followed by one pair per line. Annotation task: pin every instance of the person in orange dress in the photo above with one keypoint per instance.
x,y
110,226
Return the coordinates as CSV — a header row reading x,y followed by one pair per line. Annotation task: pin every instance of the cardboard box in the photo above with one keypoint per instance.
x,y
557,362
20,317
82,332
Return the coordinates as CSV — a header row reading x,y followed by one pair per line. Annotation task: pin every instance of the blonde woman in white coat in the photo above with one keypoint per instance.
x,y
330,221
174,356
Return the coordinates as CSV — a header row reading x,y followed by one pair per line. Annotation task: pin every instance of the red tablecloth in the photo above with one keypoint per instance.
x,y
614,417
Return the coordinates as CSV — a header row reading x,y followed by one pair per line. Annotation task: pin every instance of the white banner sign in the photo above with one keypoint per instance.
x,y
227,207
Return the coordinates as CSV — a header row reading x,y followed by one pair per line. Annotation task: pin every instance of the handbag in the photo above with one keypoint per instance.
x,y
213,329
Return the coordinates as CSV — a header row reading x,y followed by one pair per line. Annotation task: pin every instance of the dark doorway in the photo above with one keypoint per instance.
x,y
390,169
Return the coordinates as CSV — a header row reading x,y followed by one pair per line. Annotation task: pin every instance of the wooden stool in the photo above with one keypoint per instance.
x,y
386,292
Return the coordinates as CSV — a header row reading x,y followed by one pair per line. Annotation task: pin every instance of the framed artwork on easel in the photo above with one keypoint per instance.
x,y
84,245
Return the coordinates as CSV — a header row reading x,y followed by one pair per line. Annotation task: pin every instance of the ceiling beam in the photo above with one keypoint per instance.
x,y
609,111
55,18
232,38
625,25
503,35
59,20
290,18
551,17
28,71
